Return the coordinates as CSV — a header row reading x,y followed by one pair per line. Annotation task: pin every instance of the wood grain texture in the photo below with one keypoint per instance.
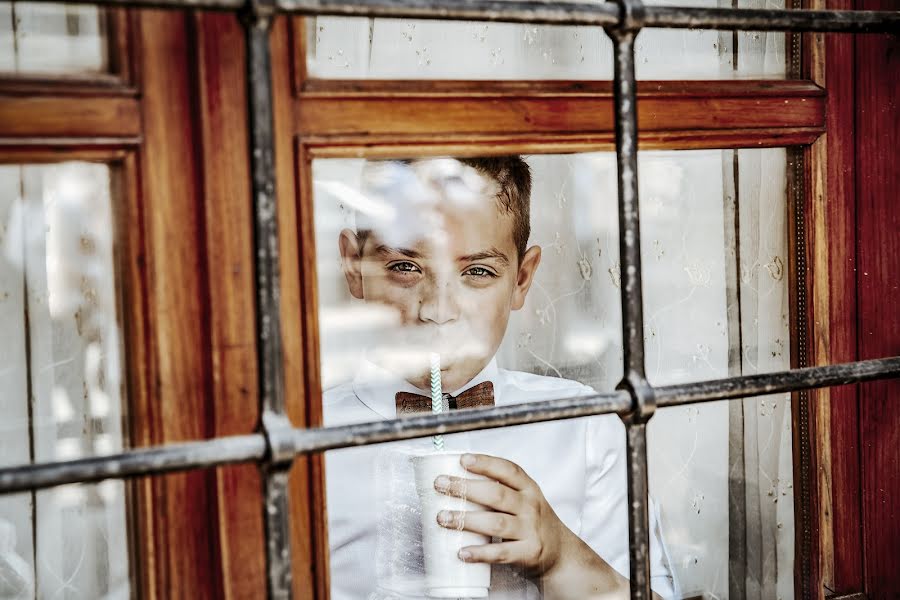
x,y
180,529
221,113
300,346
449,108
387,146
878,301
79,116
846,573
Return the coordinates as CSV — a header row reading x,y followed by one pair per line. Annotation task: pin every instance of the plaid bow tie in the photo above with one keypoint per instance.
x,y
474,397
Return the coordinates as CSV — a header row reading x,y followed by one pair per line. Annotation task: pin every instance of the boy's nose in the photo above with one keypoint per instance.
x,y
439,304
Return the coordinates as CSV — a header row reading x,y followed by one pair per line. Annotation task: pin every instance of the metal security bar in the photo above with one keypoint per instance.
x,y
277,443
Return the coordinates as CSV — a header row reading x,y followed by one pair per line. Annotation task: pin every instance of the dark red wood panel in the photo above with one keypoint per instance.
x,y
847,573
878,301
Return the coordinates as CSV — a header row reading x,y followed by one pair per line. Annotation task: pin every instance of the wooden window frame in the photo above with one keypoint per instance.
x,y
173,114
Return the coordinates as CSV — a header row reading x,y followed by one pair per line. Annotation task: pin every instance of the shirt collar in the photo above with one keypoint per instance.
x,y
376,387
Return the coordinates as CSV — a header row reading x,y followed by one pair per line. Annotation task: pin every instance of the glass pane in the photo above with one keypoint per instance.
x,y
62,377
52,39
362,48
410,271
716,308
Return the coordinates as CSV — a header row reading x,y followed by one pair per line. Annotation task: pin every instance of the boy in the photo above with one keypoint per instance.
x,y
442,245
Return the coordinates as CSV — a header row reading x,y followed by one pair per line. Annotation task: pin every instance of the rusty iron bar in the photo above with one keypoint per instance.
x,y
274,425
643,402
156,460
747,386
638,511
752,19
253,447
562,12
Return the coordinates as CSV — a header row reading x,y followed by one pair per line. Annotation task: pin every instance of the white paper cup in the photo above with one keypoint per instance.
x,y
446,575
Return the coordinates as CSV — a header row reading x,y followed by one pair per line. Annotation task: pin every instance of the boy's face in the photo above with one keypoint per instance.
x,y
452,276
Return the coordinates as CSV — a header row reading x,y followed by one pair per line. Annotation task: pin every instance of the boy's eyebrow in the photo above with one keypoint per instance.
x,y
382,249
485,254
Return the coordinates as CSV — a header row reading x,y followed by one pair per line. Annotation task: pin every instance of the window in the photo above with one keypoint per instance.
x,y
63,376
171,118
716,301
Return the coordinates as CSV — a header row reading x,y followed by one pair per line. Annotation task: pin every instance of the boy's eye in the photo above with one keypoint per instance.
x,y
479,272
404,267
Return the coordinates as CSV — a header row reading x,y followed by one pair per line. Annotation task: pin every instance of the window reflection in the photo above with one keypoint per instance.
x,y
714,251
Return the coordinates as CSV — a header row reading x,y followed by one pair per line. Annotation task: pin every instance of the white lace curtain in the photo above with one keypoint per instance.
x,y
60,381
347,47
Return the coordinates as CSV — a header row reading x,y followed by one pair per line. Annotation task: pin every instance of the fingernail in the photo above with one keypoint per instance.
x,y
465,555
442,483
445,517
467,460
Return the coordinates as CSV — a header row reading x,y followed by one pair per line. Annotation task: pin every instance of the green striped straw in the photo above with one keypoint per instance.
x,y
437,396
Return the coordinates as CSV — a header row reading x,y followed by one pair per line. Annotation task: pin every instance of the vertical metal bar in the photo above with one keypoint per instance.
x,y
629,227
257,25
624,88
638,518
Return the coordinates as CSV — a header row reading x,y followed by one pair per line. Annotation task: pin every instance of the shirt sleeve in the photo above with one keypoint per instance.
x,y
604,520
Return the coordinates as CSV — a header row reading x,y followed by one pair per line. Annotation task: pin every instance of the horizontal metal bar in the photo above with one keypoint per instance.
x,y
225,5
327,438
749,19
538,12
247,448
762,384
563,12
139,461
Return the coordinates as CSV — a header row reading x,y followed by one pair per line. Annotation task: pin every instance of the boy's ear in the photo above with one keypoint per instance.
x,y
351,262
527,269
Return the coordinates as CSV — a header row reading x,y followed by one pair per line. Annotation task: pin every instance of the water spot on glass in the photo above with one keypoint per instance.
x,y
697,505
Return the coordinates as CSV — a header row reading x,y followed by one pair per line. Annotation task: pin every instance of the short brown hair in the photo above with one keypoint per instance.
x,y
513,176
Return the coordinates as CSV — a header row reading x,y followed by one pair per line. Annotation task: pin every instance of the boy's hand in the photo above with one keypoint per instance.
x,y
533,536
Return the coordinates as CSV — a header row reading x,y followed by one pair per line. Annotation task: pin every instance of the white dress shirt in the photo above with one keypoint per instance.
x,y
373,519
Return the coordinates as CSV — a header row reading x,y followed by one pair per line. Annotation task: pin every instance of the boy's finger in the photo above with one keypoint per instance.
x,y
484,522
485,492
504,471
501,553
